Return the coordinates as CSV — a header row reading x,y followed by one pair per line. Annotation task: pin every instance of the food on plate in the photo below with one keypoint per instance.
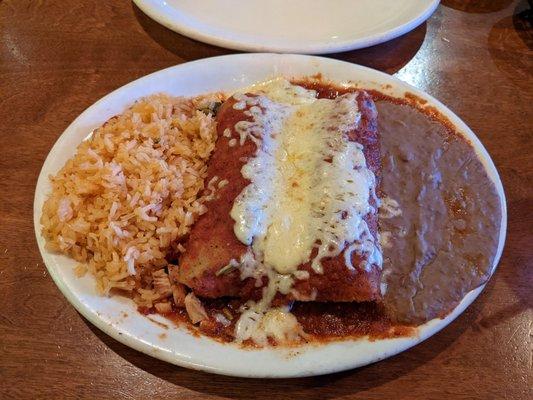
x,y
285,213
300,202
444,241
120,205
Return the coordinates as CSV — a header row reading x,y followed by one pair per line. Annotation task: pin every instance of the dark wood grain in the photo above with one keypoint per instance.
x,y
59,57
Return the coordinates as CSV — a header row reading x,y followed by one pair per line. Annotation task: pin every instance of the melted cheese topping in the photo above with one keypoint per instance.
x,y
389,208
309,185
258,320
309,188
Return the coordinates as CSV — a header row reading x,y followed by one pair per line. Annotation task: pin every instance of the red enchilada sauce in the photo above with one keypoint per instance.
x,y
321,321
440,247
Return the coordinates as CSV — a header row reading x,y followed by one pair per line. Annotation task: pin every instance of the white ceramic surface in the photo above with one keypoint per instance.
x,y
295,26
228,73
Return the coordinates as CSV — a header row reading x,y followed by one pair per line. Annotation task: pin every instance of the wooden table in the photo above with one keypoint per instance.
x,y
59,57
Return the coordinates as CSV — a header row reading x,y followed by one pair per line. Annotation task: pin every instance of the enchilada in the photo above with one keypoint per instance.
x,y
295,201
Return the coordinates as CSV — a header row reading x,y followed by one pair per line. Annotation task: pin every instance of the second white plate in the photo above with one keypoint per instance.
x,y
296,26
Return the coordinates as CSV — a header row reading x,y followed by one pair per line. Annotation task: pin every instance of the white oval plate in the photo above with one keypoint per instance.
x,y
296,26
179,347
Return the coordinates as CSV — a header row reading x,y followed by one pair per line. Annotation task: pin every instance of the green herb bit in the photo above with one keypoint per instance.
x,y
211,108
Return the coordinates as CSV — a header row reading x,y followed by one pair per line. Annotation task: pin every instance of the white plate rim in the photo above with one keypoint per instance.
x,y
157,13
280,363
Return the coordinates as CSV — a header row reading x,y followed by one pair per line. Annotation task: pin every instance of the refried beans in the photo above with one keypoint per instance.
x,y
443,243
